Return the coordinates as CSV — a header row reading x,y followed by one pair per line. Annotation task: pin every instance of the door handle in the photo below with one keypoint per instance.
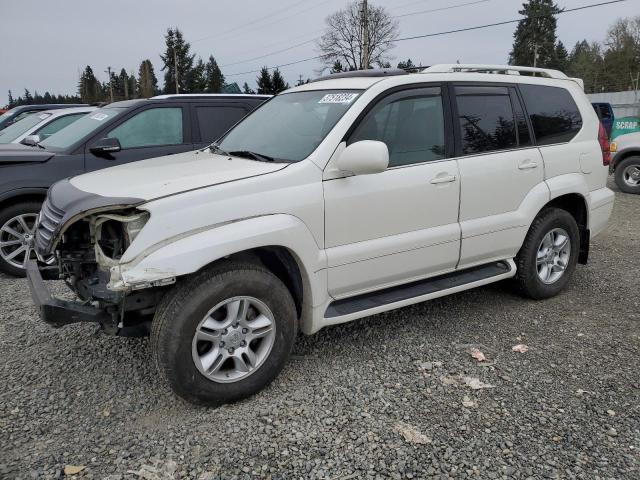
x,y
443,179
528,165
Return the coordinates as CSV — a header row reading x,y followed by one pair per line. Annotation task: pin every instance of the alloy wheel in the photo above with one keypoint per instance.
x,y
553,255
15,239
631,175
234,339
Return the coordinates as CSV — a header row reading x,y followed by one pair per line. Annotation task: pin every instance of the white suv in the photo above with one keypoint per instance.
x,y
336,200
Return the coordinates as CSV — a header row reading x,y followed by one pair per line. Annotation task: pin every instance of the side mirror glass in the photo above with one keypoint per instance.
x,y
364,158
106,145
31,140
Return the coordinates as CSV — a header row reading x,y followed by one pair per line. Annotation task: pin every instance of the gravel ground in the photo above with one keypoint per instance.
x,y
381,397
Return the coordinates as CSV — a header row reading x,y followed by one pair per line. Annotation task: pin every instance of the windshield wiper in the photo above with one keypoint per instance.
x,y
215,148
253,155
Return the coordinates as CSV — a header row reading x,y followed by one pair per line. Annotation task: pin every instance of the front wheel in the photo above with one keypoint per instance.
x,y
224,334
549,254
17,228
628,175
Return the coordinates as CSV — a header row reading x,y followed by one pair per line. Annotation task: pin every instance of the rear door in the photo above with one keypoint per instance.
x,y
211,120
151,131
499,167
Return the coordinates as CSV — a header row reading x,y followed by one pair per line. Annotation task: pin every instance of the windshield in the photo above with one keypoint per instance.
x,y
289,127
14,130
79,129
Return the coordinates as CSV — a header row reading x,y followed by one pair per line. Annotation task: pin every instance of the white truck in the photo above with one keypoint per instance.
x,y
343,198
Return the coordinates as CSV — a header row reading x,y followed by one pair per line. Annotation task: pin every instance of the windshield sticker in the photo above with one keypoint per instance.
x,y
99,116
338,98
42,116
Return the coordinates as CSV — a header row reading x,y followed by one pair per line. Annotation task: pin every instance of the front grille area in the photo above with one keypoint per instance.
x,y
50,218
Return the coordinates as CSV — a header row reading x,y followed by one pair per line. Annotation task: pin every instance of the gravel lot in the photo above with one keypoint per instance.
x,y
381,397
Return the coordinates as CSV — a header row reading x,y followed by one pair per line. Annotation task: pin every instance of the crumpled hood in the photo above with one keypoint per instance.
x,y
163,176
13,153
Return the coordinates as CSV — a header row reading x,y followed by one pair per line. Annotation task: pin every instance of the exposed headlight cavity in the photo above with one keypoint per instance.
x,y
114,233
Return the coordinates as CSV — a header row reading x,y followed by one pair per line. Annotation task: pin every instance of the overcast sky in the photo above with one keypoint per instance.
x,y
44,44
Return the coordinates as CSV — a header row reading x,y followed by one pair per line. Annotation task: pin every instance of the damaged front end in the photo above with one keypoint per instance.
x,y
88,237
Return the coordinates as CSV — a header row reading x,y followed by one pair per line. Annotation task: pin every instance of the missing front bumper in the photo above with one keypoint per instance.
x,y
57,312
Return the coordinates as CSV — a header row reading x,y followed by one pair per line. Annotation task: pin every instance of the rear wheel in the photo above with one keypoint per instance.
x,y
224,334
17,227
628,175
549,254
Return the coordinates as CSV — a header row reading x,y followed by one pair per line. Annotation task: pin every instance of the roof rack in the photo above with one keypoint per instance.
x,y
500,69
372,72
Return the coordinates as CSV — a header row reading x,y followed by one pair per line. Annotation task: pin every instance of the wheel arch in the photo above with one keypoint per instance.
x,y
281,243
622,155
576,205
22,195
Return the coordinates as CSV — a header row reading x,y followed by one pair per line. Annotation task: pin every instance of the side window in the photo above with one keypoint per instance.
x,y
486,119
410,123
554,115
214,121
155,126
58,124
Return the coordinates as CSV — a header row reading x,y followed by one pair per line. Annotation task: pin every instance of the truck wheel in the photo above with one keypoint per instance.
x,y
17,227
628,175
224,334
549,254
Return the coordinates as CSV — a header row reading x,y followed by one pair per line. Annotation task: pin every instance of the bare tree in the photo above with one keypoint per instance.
x,y
343,40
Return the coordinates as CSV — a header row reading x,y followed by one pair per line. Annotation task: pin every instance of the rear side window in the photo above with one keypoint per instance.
x,y
554,115
410,123
486,119
214,121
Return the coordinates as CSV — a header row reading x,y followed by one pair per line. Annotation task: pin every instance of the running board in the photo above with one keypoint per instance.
x,y
420,290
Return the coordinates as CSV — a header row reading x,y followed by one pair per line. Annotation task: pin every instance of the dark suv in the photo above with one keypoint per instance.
x,y
119,133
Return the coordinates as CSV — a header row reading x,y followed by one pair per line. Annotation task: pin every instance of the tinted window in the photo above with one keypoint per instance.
x,y
155,126
214,121
486,119
410,123
58,124
554,115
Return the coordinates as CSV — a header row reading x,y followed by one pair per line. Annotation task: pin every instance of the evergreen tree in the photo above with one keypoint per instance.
x,y
12,101
337,67
277,82
561,58
89,87
176,49
28,99
147,81
197,80
408,64
245,89
537,31
264,81
585,62
214,76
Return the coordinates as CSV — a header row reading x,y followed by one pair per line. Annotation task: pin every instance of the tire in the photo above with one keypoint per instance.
x,y
551,223
628,175
190,307
9,227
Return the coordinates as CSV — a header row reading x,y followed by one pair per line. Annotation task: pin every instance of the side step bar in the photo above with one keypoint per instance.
x,y
420,290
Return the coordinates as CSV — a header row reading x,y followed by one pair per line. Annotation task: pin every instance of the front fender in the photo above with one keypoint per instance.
x,y
188,254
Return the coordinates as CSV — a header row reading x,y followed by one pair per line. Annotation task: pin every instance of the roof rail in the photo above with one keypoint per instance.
x,y
500,69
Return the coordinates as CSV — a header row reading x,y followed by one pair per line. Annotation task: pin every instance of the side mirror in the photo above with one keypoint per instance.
x,y
31,140
364,157
106,145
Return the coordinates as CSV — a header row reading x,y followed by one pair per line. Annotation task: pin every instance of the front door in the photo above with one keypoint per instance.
x,y
402,224
148,133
